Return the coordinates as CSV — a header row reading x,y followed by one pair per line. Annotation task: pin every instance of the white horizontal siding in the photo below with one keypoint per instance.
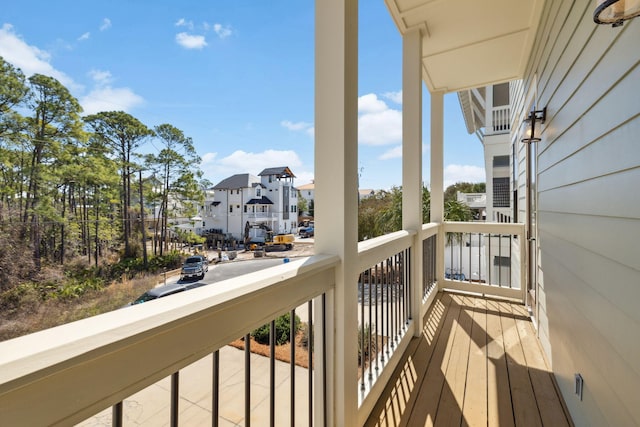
x,y
588,77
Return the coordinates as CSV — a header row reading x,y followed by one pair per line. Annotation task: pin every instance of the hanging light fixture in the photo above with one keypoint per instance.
x,y
529,125
615,12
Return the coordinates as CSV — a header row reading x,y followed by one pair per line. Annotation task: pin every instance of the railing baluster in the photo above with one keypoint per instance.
x,y
369,283
324,359
292,363
310,361
175,398
376,280
479,257
247,380
215,395
500,259
272,373
361,337
116,415
470,247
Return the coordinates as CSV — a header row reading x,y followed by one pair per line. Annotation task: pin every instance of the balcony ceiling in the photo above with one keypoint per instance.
x,y
470,43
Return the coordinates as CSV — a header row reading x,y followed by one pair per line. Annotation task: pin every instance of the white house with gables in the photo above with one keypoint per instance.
x,y
269,199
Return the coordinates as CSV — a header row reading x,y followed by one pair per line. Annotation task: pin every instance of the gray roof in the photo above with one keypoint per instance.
x,y
281,172
261,201
242,180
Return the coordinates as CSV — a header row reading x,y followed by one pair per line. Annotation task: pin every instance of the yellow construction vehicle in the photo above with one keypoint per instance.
x,y
259,236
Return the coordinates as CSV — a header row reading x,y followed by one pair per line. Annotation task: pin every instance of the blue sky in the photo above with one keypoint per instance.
x,y
236,77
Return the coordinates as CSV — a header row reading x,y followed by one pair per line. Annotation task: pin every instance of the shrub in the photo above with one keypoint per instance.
x,y
369,346
282,333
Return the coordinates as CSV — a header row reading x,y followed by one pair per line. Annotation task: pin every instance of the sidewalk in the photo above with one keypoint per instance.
x,y
151,406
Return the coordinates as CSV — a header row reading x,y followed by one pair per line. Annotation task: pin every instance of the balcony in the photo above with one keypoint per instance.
x,y
68,374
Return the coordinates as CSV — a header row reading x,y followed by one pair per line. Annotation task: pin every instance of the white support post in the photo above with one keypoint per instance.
x,y
336,192
412,161
437,176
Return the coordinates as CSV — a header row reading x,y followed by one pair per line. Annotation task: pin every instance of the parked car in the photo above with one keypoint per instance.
x,y
194,266
159,292
165,290
307,232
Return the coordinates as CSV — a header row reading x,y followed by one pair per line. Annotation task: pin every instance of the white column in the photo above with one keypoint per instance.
x,y
412,160
437,175
336,191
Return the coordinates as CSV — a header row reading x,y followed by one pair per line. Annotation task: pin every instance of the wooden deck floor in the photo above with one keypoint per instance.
x,y
478,363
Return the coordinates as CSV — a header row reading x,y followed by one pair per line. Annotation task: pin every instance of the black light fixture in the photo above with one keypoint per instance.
x,y
615,12
530,125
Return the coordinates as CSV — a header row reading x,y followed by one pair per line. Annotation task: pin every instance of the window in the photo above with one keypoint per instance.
x,y
258,192
502,261
230,209
245,208
500,161
501,193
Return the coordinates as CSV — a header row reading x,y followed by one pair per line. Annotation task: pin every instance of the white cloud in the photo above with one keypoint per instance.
x,y
184,23
296,126
85,36
394,96
29,59
299,127
190,41
216,169
222,31
394,153
102,78
106,24
105,98
378,124
463,173
371,104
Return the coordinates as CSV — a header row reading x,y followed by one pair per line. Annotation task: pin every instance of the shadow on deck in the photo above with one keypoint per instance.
x,y
477,362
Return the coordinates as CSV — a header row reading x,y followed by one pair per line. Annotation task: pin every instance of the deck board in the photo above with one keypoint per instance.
x,y
478,362
452,397
499,408
474,410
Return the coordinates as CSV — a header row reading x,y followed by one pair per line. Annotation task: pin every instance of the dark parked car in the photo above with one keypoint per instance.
x,y
307,232
166,290
194,266
159,292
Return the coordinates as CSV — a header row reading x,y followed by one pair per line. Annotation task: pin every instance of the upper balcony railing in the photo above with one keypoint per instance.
x,y
67,374
500,119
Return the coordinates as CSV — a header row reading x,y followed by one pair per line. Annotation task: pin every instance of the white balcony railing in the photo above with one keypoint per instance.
x,y
500,119
63,375
67,374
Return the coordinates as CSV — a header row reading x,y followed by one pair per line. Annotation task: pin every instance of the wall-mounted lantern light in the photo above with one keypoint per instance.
x,y
615,12
529,125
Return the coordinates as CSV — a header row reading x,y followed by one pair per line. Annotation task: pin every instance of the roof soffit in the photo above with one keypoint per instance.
x,y
470,43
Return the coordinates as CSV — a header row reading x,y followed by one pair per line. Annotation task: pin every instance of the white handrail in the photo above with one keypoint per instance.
x,y
66,374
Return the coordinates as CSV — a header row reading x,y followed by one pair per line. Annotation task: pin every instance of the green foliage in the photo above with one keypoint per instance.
x,y
282,332
457,211
464,187
370,346
382,213
303,206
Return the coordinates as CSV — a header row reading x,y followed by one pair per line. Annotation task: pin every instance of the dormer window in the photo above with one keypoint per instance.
x,y
258,192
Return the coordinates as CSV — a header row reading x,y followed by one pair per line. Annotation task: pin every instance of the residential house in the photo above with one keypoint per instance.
x,y
575,248
269,199
486,112
306,191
